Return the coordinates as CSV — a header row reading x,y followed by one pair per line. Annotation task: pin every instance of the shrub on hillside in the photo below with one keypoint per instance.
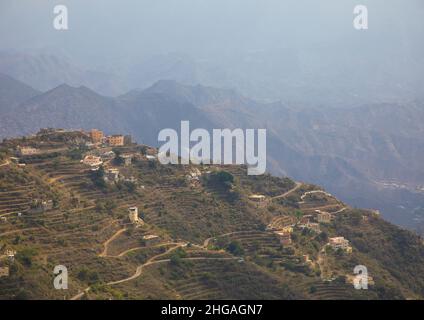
x,y
235,248
221,179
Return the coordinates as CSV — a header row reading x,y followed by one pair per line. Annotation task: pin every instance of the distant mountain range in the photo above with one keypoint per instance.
x,y
369,156
46,71
324,75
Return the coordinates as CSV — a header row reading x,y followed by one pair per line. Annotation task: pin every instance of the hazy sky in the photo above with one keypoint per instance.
x,y
102,30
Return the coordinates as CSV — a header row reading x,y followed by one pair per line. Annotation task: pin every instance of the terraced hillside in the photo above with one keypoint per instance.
x,y
200,234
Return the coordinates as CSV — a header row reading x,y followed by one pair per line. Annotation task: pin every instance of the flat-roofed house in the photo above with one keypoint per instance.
x,y
324,217
92,161
116,140
340,243
151,239
285,238
257,197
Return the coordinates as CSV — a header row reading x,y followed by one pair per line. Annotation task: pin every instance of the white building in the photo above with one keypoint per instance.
x,y
151,239
92,161
257,197
340,243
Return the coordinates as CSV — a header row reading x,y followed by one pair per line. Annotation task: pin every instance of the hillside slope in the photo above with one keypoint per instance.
x,y
213,240
374,163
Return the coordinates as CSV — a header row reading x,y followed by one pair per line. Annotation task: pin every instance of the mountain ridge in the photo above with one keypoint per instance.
x,y
207,231
353,158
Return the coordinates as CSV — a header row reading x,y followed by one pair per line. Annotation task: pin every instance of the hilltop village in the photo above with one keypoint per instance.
x,y
128,227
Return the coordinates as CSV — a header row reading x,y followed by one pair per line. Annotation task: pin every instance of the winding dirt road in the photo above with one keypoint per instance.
x,y
297,186
106,243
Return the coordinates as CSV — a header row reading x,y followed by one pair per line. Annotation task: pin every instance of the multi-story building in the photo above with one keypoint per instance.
x,y
324,217
340,243
96,136
115,140
133,215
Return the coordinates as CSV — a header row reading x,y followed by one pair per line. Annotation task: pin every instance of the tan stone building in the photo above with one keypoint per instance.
x,y
116,140
133,215
96,136
324,217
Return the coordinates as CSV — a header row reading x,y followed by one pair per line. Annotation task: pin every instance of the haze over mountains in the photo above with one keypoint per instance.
x,y
45,71
302,51
375,163
343,108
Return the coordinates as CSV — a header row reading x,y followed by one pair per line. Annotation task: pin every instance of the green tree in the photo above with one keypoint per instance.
x,y
235,248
